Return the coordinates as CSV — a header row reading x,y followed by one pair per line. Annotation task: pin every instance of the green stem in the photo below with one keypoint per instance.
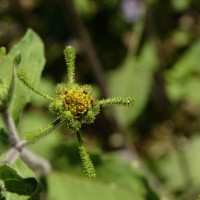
x,y
78,134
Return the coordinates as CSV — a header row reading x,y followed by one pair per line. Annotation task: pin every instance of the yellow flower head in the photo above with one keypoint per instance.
x,y
78,101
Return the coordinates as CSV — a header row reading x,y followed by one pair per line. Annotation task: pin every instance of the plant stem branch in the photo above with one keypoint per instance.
x,y
12,132
12,156
34,161
80,141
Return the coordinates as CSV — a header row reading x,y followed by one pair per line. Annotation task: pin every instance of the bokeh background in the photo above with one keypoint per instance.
x,y
147,49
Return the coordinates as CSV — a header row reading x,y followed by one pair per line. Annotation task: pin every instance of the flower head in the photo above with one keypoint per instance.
x,y
73,105
73,98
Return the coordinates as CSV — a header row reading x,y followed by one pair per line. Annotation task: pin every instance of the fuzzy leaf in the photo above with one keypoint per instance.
x,y
32,61
25,186
6,173
19,180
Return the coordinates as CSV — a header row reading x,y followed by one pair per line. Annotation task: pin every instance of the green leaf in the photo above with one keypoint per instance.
x,y
115,180
2,53
32,61
180,5
22,187
183,78
3,94
4,141
134,78
181,167
62,185
6,173
2,197
19,180
3,136
84,8
192,157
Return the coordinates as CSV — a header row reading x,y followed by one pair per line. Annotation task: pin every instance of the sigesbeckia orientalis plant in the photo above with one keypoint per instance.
x,y
73,106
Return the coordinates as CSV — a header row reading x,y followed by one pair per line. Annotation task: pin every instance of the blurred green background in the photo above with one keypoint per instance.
x,y
147,49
